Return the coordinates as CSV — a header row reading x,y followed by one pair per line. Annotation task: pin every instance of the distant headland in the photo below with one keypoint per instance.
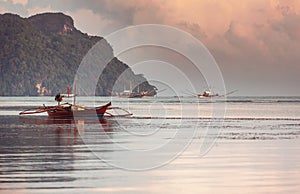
x,y
40,55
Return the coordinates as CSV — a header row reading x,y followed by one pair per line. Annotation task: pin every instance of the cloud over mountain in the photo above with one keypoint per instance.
x,y
253,40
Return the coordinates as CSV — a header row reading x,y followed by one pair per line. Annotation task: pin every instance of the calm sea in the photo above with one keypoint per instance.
x,y
169,145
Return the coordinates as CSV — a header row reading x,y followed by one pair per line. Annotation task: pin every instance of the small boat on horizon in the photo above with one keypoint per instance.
x,y
209,94
136,93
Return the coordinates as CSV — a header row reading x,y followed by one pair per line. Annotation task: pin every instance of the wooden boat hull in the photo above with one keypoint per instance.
x,y
69,112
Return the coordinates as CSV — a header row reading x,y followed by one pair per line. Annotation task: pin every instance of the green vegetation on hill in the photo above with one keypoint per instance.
x,y
44,51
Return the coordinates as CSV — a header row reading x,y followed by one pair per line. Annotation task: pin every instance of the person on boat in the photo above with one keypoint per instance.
x,y
59,98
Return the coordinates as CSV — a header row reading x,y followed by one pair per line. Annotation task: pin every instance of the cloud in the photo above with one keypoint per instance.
x,y
289,25
37,10
192,28
92,22
22,2
252,40
2,10
14,2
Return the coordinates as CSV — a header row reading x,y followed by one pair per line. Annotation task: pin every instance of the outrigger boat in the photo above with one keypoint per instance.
x,y
136,94
209,94
130,94
68,110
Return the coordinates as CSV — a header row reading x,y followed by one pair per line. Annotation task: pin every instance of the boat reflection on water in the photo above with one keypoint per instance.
x,y
42,120
67,130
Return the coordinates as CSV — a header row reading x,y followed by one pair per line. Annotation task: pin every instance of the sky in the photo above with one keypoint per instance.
x,y
255,43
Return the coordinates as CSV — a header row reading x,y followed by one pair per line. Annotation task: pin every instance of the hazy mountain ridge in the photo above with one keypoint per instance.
x,y
41,54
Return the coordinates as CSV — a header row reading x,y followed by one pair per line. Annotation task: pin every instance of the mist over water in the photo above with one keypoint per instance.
x,y
255,147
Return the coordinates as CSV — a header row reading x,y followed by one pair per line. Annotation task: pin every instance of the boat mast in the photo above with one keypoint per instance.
x,y
75,88
130,85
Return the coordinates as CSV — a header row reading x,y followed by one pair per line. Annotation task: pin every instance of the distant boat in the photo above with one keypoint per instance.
x,y
131,94
209,94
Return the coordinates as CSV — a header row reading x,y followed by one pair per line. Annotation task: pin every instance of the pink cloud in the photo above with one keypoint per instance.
x,y
253,40
92,22
36,10
22,2
2,10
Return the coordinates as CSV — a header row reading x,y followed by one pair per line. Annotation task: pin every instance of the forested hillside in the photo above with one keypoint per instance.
x,y
40,55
